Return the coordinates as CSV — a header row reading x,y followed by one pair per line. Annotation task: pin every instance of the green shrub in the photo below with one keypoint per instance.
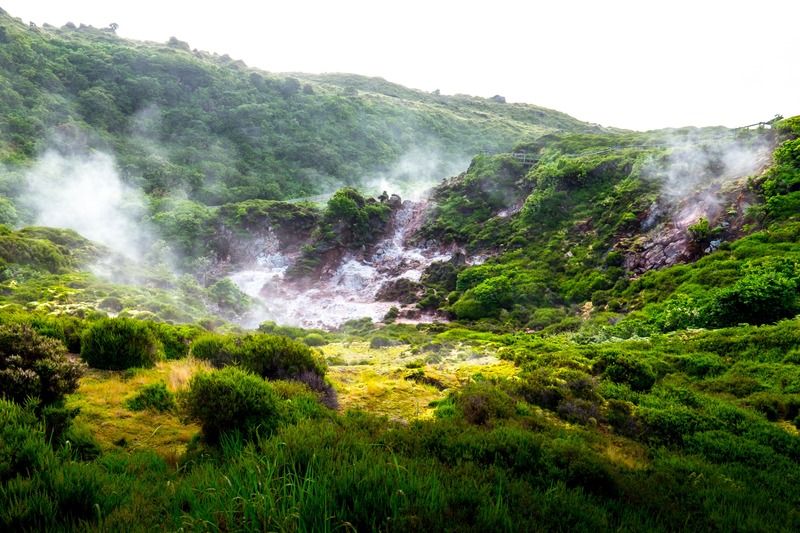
x,y
34,365
274,357
381,342
620,415
758,298
627,368
775,406
482,403
268,357
314,339
218,350
155,397
671,424
120,343
176,340
22,440
231,400
703,365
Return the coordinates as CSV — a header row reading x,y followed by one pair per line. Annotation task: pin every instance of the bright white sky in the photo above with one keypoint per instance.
x,y
626,63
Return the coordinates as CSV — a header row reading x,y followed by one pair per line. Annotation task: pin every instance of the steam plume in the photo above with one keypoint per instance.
x,y
84,192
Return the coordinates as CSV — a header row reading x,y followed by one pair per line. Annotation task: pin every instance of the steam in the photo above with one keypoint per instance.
x,y
415,173
349,285
690,167
693,178
82,191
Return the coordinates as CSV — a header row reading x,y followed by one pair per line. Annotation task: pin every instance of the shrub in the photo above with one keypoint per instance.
x,y
22,437
621,417
627,368
120,343
274,357
758,298
176,340
775,406
155,397
231,400
218,350
34,365
268,357
314,339
481,403
381,342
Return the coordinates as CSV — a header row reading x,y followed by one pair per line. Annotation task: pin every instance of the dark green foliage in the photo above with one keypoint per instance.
x,y
349,221
219,350
269,357
381,342
176,340
42,489
482,404
273,357
35,366
35,253
230,133
314,339
627,368
231,400
759,298
228,298
290,221
155,397
119,344
780,186
284,331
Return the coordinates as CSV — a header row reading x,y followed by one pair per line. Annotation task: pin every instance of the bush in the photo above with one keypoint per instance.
x,y
34,365
775,406
273,357
155,397
218,350
120,343
231,400
314,339
269,357
481,403
176,340
758,298
627,368
382,342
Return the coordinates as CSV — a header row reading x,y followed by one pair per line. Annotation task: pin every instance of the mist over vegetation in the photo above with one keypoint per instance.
x,y
238,300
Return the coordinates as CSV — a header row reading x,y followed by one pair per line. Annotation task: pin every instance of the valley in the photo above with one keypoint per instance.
x,y
237,300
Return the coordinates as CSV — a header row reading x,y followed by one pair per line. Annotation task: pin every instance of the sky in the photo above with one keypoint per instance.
x,y
630,64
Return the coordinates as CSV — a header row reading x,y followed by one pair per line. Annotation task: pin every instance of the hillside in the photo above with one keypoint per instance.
x,y
236,300
218,131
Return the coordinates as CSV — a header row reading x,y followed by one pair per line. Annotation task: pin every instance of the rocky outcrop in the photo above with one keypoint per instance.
x,y
664,238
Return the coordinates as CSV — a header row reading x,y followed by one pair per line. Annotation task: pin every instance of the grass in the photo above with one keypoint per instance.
x,y
101,399
381,387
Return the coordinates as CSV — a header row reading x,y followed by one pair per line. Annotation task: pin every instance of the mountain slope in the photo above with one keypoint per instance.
x,y
207,125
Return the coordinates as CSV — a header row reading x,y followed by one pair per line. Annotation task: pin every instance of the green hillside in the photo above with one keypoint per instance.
x,y
208,125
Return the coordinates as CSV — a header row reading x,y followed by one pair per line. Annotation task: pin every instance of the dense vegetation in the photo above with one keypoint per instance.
x,y
226,132
577,384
